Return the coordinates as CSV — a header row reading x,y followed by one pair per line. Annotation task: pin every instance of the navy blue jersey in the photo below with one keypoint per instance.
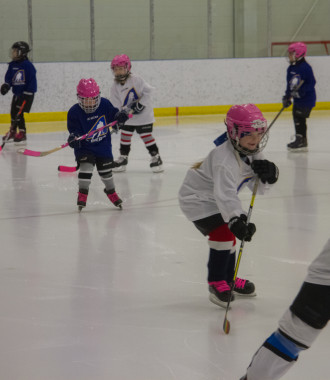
x,y
21,76
79,123
306,96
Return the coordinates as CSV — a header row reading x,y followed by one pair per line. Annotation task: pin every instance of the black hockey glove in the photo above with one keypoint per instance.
x,y
4,88
137,107
267,171
73,143
286,101
240,229
121,117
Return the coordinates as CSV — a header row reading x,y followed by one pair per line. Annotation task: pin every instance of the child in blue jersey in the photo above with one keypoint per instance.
x,y
90,113
301,88
21,78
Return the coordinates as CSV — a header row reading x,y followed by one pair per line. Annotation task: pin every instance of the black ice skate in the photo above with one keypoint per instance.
x,y
82,199
244,288
114,198
20,137
120,164
220,293
299,145
156,163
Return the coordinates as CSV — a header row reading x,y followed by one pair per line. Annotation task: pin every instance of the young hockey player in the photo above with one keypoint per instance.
x,y
132,90
209,196
92,112
299,326
21,78
301,88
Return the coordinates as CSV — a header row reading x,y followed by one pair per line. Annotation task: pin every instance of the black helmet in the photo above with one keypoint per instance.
x,y
22,49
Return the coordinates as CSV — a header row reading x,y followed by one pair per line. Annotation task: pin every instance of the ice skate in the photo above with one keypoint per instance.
x,y
156,164
220,293
82,199
20,137
9,136
114,198
244,288
299,145
120,164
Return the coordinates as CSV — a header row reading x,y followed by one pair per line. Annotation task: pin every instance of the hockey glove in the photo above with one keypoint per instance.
x,y
240,229
267,171
121,117
286,101
4,88
73,143
137,107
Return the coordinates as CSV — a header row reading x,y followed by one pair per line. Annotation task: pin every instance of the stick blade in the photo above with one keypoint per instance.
x,y
28,152
226,326
67,169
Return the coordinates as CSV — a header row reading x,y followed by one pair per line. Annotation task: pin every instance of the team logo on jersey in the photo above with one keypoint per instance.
x,y
130,97
100,135
294,82
19,78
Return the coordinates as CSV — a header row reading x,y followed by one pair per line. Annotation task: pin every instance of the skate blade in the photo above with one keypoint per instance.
x,y
119,169
298,150
157,169
20,142
245,295
214,299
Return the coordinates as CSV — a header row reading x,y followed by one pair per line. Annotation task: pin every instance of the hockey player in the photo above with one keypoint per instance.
x,y
301,88
299,326
130,89
209,196
92,112
21,78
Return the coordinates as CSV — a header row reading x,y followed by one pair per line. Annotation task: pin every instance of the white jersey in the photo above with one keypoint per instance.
x,y
319,269
135,88
214,187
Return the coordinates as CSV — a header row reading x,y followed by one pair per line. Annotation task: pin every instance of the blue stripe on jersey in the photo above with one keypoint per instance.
x,y
245,180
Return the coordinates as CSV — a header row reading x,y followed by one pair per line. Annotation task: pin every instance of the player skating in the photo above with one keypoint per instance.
x,y
301,89
91,112
209,196
131,89
21,78
299,326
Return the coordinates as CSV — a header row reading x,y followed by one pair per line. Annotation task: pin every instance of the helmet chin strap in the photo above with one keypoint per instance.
x,y
122,78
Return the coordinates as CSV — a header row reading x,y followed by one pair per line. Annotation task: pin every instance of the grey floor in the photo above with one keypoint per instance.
x,y
119,295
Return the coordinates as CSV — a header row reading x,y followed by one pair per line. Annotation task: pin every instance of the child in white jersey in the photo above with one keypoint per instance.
x,y
133,91
209,196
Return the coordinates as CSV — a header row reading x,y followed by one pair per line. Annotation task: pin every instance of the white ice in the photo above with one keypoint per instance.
x,y
121,295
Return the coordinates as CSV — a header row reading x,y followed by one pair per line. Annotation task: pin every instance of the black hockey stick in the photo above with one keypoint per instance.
x,y
7,137
226,324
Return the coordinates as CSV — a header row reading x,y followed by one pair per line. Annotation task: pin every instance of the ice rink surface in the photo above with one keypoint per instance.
x,y
122,295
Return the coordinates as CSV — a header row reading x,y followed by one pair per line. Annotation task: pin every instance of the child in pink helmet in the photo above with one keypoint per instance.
x,y
133,91
209,196
301,90
90,113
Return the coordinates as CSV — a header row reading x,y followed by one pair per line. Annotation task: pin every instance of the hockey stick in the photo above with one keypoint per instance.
x,y
7,137
226,324
34,153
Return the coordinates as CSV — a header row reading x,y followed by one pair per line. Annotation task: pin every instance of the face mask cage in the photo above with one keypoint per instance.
x,y
89,105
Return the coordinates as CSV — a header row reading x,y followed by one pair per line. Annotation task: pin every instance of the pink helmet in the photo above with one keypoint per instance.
x,y
241,120
88,93
299,48
121,60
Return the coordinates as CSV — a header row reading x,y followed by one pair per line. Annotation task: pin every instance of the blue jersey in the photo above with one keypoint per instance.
x,y
21,77
306,96
79,123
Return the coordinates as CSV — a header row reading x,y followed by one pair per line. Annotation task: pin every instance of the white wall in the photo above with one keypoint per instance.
x,y
177,83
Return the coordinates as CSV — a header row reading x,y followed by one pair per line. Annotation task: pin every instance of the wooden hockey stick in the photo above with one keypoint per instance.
x,y
226,323
7,137
34,153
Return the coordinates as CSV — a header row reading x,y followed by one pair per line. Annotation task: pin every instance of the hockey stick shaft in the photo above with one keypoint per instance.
x,y
7,137
226,324
34,153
